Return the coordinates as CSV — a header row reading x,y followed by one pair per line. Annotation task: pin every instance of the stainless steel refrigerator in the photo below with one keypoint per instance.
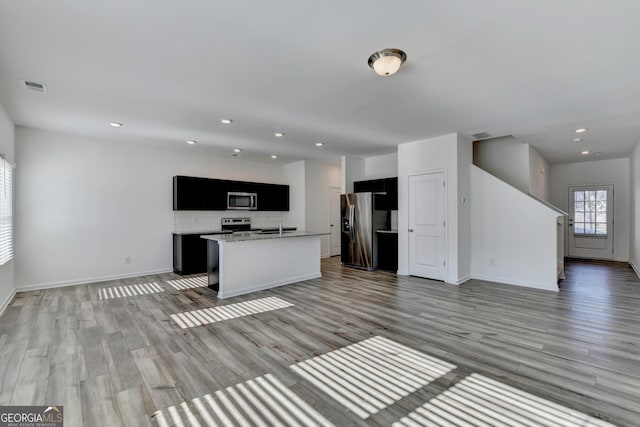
x,y
360,220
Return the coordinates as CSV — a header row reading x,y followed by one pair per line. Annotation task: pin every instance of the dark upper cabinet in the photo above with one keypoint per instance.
x,y
243,187
389,186
189,193
199,194
273,197
205,194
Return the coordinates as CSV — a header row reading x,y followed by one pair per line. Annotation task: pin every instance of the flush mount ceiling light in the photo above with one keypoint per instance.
x,y
115,124
580,130
226,121
191,141
278,134
387,62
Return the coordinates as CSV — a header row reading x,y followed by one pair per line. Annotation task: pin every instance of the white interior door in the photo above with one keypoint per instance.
x,y
427,213
591,222
334,221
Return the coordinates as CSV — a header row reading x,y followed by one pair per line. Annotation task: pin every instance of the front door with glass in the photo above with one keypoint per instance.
x,y
591,222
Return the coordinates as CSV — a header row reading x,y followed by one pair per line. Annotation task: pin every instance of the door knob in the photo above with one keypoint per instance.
x,y
411,230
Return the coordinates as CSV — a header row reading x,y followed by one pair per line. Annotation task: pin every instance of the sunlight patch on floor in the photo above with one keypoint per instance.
x,y
481,401
370,375
190,319
189,283
262,401
129,291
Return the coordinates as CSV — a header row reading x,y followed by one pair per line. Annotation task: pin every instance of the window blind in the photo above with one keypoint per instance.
x,y
6,211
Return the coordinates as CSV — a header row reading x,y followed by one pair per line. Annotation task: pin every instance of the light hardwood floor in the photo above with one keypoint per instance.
x,y
350,348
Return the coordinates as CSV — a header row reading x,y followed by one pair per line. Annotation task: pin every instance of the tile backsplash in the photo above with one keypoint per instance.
x,y
185,221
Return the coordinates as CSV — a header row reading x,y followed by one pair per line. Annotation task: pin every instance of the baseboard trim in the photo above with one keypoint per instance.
x,y
270,285
64,283
463,279
507,281
7,301
635,268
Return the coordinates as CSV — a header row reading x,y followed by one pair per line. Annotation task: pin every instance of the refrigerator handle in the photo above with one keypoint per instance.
x,y
352,214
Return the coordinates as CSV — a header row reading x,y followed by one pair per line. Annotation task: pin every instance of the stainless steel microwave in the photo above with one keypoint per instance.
x,y
242,201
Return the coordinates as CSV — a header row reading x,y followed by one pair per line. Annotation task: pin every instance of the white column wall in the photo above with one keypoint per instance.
x,y
439,154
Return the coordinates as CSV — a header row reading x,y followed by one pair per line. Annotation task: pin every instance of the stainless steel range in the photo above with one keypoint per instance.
x,y
236,224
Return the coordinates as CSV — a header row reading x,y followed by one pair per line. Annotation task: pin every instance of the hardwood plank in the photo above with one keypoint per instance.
x,y
119,361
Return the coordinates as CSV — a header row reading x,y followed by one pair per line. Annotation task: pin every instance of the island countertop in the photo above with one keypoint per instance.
x,y
251,236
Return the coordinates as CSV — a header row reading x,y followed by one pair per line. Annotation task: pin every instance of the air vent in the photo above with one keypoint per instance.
x,y
35,86
481,135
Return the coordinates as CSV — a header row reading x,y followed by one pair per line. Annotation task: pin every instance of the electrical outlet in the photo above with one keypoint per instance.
x,y
127,260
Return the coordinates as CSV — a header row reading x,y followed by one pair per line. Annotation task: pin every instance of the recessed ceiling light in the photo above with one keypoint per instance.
x,y
226,121
580,130
191,141
273,156
319,144
115,124
237,150
585,152
577,139
278,134
597,153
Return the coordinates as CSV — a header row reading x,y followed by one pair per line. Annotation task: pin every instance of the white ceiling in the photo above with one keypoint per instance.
x,y
169,70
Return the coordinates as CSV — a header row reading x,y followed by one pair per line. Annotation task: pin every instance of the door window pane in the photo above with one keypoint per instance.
x,y
590,212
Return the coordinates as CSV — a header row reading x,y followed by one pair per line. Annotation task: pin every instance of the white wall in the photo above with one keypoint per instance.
x,y
84,204
538,175
465,161
7,147
352,170
505,158
616,172
513,236
634,243
320,177
384,166
439,154
295,178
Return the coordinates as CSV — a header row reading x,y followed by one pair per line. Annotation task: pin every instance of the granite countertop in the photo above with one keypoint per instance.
x,y
248,236
387,231
203,232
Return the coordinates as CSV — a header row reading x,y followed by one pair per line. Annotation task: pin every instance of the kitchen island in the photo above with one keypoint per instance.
x,y
247,262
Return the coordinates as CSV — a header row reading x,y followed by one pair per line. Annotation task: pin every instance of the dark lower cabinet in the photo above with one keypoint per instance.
x,y
387,251
189,254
